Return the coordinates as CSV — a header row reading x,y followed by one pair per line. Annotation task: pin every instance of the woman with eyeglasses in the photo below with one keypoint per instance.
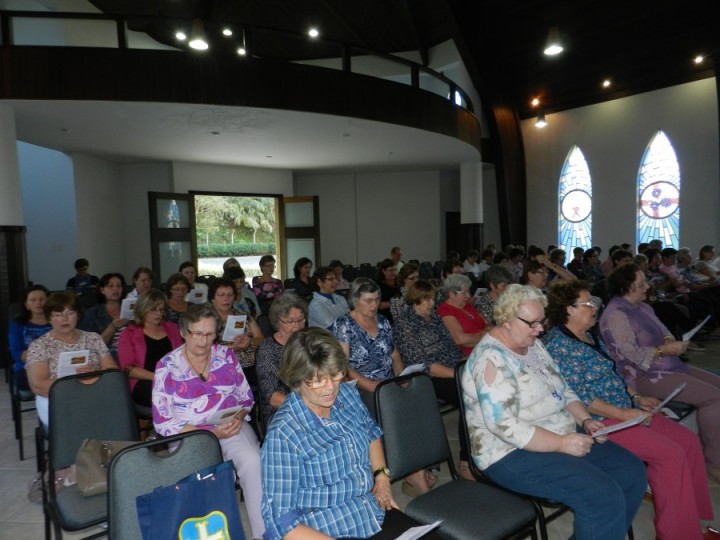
x,y
673,453
221,295
326,306
463,321
145,341
647,357
43,355
288,314
523,421
194,383
323,467
104,317
535,275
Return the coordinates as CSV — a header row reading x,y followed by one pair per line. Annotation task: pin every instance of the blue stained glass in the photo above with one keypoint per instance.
x,y
658,193
575,203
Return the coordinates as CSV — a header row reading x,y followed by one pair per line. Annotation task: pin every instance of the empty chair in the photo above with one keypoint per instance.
x,y
414,438
140,469
99,409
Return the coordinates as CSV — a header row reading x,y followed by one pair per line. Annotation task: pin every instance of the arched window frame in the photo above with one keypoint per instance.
x,y
575,202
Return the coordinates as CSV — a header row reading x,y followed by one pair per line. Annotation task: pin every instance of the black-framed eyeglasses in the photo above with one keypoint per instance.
x,y
589,304
533,324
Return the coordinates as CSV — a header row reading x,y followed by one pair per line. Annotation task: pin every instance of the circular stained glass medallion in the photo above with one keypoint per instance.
x,y
576,205
659,200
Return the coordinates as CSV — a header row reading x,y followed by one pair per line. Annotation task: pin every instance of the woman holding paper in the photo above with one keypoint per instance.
x,y
463,321
672,452
221,295
145,341
647,358
46,355
196,386
523,418
105,318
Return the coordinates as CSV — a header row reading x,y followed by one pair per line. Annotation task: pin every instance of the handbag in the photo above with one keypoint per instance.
x,y
91,464
200,506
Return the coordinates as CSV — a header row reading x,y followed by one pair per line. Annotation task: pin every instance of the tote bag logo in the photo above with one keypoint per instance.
x,y
213,526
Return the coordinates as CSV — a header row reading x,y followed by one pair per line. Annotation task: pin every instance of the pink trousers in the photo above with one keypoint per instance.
x,y
676,472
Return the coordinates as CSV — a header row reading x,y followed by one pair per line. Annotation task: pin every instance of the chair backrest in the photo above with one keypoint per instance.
x,y
263,322
101,409
140,469
414,433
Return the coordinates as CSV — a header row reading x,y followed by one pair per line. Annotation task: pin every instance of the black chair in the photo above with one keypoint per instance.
x,y
263,321
141,468
21,401
101,409
414,439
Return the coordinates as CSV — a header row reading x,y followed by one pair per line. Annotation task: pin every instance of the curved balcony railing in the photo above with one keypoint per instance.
x,y
41,28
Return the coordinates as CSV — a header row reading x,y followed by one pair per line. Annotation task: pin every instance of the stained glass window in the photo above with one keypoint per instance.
x,y
658,192
575,203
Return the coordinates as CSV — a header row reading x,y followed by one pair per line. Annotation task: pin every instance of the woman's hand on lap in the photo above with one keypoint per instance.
x,y
577,444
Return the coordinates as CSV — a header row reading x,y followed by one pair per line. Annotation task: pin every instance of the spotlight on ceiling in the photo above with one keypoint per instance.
x,y
540,122
606,83
535,102
198,40
227,32
553,45
242,51
699,59
180,35
313,32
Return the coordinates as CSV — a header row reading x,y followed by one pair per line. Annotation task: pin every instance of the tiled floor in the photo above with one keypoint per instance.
x,y
22,520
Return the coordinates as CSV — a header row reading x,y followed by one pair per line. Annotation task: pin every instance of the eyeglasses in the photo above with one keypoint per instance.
x,y
330,278
64,314
300,321
535,325
462,293
641,284
318,383
589,304
197,334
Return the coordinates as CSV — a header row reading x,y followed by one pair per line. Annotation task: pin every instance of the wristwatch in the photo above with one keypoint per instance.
x,y
382,470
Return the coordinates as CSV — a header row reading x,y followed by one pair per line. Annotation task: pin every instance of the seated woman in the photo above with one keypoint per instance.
x,y
343,285
646,355
465,324
592,267
673,454
288,314
104,317
387,279
407,275
522,418
142,279
497,278
535,275
705,263
189,270
145,341
323,466
326,306
422,338
222,295
245,299
30,324
471,265
44,353
178,287
301,284
265,286
198,379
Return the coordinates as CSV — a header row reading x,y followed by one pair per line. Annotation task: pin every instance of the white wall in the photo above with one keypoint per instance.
x,y
614,136
363,215
48,200
229,178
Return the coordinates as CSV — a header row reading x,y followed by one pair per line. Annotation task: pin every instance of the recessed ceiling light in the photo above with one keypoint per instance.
x,y
699,59
313,32
215,133
606,83
241,51
535,102
540,122
181,36
227,32
553,46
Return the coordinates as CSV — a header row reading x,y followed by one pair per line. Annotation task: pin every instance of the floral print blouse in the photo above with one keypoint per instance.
x,y
528,392
369,356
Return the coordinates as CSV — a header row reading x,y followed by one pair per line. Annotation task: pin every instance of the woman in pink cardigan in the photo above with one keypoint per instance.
x,y
146,341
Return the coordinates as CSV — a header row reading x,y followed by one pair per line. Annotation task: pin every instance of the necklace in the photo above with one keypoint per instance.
x,y
200,373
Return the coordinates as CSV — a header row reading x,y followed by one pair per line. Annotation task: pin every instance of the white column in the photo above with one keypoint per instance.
x,y
11,210
471,193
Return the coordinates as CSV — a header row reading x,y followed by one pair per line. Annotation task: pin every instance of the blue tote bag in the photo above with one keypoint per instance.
x,y
200,506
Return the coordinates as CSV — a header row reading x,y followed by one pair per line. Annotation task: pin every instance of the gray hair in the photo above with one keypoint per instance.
x,y
282,305
195,313
509,303
309,353
686,251
457,282
360,286
497,274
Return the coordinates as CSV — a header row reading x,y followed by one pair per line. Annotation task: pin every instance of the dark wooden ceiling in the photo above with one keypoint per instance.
x,y
640,45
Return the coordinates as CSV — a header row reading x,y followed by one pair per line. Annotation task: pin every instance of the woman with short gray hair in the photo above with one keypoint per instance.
x,y
288,314
497,278
465,324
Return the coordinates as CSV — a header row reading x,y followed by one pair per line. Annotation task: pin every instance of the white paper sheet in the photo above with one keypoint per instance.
x,y
224,416
197,296
235,326
70,361
418,532
127,308
667,399
622,425
687,336
412,368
